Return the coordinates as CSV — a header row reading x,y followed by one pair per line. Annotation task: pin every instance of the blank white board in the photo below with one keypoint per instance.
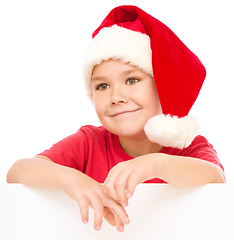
x,y
156,211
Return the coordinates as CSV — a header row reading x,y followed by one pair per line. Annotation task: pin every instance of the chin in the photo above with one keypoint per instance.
x,y
131,134
127,129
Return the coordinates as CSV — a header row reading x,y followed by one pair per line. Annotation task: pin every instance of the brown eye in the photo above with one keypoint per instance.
x,y
102,87
132,81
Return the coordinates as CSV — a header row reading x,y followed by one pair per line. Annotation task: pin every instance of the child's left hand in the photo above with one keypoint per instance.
x,y
123,178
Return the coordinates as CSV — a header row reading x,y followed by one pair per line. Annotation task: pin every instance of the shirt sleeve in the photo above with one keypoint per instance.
x,y
70,152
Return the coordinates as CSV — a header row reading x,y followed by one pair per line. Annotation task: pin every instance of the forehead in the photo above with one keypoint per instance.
x,y
114,66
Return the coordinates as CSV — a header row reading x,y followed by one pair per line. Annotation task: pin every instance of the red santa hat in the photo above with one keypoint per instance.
x,y
135,37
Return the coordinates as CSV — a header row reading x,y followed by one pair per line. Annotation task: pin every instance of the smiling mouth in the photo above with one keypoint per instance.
x,y
124,113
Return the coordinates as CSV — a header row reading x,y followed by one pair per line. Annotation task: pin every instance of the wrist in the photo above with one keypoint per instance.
x,y
155,164
160,160
68,176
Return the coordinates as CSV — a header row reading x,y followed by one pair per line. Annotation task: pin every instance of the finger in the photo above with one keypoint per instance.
x,y
109,186
118,209
98,212
118,222
109,216
109,190
116,184
84,209
133,181
120,188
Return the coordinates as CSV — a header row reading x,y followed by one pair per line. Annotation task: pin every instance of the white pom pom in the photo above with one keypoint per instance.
x,y
171,131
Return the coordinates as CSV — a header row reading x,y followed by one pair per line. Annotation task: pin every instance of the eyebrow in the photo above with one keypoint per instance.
x,y
124,73
99,78
128,72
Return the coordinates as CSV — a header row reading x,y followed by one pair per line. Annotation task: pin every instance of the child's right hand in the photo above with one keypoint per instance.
x,y
41,172
89,193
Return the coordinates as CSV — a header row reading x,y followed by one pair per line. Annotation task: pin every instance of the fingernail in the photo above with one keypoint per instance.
x,y
128,195
85,221
122,204
98,228
121,228
127,219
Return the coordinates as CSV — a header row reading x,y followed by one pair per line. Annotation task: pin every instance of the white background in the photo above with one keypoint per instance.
x,y
42,44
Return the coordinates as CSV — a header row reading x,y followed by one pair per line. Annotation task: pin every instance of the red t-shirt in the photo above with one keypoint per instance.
x,y
94,151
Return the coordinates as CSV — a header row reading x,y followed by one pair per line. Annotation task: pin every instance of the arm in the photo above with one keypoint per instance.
x,y
38,172
41,172
189,172
178,171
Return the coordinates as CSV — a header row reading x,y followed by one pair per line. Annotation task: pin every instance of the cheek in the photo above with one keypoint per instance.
x,y
99,105
97,109
151,101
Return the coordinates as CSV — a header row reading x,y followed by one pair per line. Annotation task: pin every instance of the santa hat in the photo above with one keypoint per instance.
x,y
135,37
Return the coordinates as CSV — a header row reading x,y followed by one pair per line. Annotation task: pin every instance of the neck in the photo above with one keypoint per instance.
x,y
140,146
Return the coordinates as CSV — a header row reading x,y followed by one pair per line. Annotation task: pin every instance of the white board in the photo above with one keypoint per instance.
x,y
156,211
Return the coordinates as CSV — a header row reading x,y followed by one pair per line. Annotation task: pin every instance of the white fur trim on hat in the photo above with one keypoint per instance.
x,y
117,43
171,131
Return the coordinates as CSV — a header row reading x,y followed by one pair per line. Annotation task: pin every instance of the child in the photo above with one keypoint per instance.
x,y
142,81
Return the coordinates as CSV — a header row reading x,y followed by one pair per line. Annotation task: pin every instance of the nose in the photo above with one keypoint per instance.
x,y
118,96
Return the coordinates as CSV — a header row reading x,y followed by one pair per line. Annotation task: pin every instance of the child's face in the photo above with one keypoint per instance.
x,y
124,98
